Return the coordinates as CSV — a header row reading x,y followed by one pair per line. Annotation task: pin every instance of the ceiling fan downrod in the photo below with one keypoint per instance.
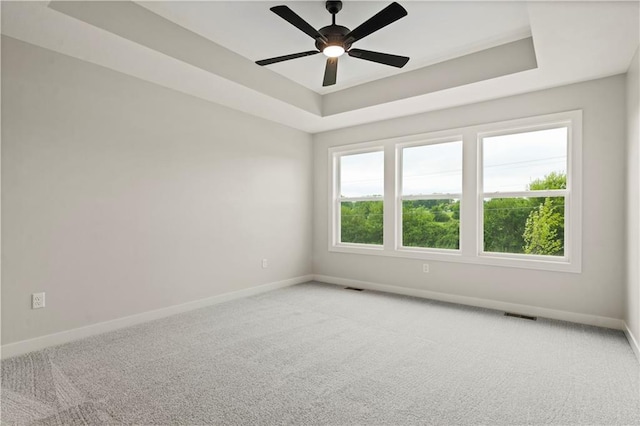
x,y
333,7
335,40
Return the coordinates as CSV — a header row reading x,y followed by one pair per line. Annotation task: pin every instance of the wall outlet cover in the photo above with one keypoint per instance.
x,y
37,300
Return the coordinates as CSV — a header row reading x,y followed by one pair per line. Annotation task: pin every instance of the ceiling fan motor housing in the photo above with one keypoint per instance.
x,y
335,37
335,40
333,6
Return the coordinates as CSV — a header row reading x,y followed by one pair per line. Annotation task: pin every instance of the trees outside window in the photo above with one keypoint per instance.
x,y
360,189
506,194
430,196
361,222
525,185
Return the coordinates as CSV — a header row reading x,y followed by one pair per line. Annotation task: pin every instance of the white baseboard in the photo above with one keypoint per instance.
x,y
37,343
632,341
482,303
41,342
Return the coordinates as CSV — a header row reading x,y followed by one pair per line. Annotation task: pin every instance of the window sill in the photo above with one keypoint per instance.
x,y
456,256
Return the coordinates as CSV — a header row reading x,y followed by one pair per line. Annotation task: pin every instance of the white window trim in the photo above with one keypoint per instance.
x,y
572,195
470,203
399,147
336,199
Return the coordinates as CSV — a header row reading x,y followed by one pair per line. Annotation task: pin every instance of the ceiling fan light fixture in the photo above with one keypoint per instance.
x,y
336,40
333,51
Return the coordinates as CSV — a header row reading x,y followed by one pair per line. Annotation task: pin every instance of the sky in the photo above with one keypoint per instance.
x,y
510,163
362,175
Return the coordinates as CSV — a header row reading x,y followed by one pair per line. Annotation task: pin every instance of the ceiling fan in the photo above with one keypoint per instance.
x,y
334,40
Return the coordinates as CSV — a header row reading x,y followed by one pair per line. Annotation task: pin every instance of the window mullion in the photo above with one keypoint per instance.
x,y
389,207
356,199
334,194
469,203
430,197
527,194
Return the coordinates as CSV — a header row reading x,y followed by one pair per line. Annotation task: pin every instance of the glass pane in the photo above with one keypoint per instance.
x,y
362,175
361,222
432,169
524,225
525,161
431,223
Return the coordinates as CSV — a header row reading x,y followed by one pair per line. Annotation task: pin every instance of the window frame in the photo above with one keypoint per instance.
x,y
399,148
565,193
337,199
471,206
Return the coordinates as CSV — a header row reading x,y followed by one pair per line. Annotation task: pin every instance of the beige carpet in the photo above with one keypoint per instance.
x,y
319,354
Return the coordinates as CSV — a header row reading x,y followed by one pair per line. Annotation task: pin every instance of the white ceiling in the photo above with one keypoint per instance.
x,y
207,49
430,33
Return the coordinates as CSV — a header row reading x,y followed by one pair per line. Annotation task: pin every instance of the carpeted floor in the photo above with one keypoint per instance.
x,y
319,354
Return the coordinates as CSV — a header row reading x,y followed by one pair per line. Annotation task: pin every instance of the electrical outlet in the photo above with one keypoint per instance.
x,y
37,300
265,263
425,268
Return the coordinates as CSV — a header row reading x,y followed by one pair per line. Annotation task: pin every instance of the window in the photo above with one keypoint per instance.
x,y
524,178
505,194
430,196
359,201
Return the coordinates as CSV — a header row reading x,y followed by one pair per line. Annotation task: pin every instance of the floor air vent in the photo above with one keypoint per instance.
x,y
510,314
353,288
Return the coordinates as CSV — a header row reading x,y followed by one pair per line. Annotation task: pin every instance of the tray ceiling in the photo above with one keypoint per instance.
x,y
461,52
431,32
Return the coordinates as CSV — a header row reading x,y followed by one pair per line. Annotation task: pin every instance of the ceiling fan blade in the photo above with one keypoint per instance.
x,y
381,58
286,57
386,16
291,17
330,72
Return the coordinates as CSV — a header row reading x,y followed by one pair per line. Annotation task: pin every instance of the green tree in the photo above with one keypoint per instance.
x,y
455,210
508,220
504,222
362,222
554,180
541,234
511,225
431,223
544,229
441,213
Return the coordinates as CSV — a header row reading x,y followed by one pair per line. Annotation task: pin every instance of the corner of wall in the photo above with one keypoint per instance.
x,y
55,339
633,342
632,278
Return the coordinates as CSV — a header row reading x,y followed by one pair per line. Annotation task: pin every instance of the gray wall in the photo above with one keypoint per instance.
x,y
120,197
598,290
632,317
